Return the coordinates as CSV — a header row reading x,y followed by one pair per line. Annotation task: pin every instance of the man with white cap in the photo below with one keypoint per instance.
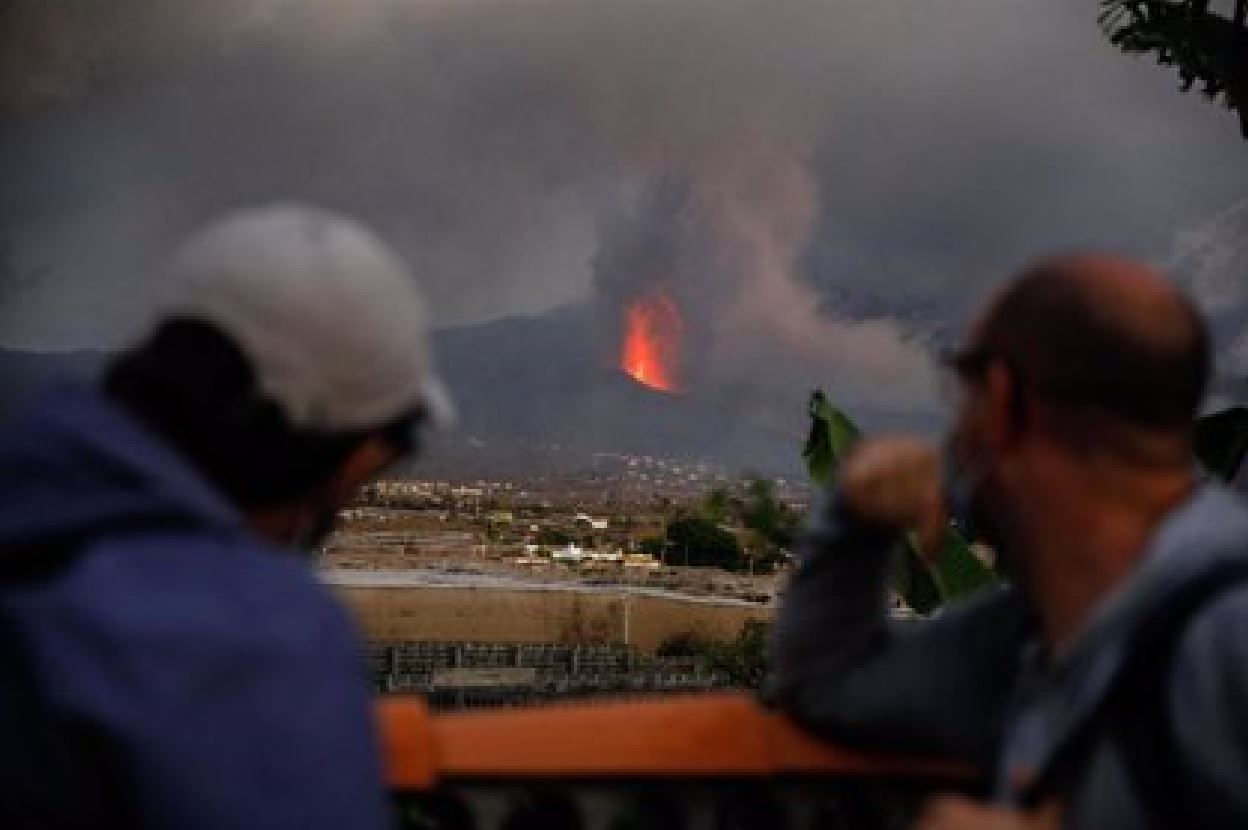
x,y
165,659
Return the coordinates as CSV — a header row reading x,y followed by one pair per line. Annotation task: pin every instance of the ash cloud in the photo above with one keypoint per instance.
x,y
828,187
1211,260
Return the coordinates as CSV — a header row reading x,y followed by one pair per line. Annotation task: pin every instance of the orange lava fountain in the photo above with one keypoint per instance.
x,y
651,348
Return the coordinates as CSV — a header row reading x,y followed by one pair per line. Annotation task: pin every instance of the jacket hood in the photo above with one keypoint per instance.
x,y
1207,530
76,462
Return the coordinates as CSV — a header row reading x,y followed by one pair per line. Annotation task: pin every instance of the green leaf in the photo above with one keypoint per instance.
x,y
958,571
1222,441
912,579
832,433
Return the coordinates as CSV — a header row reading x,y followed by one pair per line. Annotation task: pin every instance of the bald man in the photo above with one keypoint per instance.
x,y
1107,687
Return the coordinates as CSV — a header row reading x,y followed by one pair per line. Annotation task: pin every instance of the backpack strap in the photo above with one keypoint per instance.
x,y
1135,712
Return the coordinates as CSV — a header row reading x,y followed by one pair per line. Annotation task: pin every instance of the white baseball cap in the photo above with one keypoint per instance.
x,y
331,320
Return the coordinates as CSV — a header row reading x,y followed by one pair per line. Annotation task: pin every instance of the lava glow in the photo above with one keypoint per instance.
x,y
651,348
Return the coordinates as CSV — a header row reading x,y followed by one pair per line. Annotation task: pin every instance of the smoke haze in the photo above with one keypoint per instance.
x,y
827,188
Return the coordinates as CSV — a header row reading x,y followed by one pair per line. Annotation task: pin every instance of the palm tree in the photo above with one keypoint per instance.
x,y
1206,48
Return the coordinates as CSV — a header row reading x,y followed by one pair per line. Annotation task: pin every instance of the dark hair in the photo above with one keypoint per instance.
x,y
193,386
1066,343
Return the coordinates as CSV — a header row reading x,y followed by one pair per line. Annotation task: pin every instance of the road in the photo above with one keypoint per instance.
x,y
429,578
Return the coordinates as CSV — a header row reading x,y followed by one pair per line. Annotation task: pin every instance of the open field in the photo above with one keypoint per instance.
x,y
458,552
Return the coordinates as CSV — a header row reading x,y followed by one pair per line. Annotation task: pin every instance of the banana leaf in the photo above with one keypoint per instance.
x,y
957,572
831,435
914,581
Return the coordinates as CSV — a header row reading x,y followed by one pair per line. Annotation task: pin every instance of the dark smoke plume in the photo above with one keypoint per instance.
x,y
826,185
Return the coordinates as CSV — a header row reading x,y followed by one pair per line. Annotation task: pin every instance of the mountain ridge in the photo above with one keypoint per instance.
x,y
531,381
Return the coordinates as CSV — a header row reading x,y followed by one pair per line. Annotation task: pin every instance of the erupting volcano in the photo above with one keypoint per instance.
x,y
651,348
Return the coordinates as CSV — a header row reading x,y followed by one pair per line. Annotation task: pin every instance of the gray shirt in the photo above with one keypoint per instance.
x,y
972,684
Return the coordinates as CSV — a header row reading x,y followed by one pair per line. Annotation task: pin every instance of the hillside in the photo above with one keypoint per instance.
x,y
522,384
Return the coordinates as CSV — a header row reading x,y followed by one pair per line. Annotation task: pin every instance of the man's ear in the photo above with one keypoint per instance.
x,y
360,467
1004,406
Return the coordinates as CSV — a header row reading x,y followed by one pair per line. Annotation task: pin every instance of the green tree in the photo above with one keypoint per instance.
x,y
773,522
743,659
1208,50
718,505
552,537
694,540
652,545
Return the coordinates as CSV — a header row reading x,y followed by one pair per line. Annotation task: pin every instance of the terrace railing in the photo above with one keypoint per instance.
x,y
699,761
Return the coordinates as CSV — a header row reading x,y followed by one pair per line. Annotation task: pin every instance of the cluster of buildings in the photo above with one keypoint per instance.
x,y
585,558
603,518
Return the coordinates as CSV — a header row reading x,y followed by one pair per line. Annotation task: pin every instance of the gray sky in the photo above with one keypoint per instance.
x,y
861,172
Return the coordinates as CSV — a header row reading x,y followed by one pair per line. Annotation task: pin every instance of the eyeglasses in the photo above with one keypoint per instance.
x,y
969,365
963,368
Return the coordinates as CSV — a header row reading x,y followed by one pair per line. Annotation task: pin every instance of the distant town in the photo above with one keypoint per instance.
x,y
604,525
627,573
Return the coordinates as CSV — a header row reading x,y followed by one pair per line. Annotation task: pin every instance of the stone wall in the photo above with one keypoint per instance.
x,y
518,615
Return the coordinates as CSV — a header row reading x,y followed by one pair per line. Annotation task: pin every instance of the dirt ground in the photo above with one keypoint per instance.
x,y
457,552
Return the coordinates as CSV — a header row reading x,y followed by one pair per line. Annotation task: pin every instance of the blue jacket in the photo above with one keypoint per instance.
x,y
215,682
971,683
